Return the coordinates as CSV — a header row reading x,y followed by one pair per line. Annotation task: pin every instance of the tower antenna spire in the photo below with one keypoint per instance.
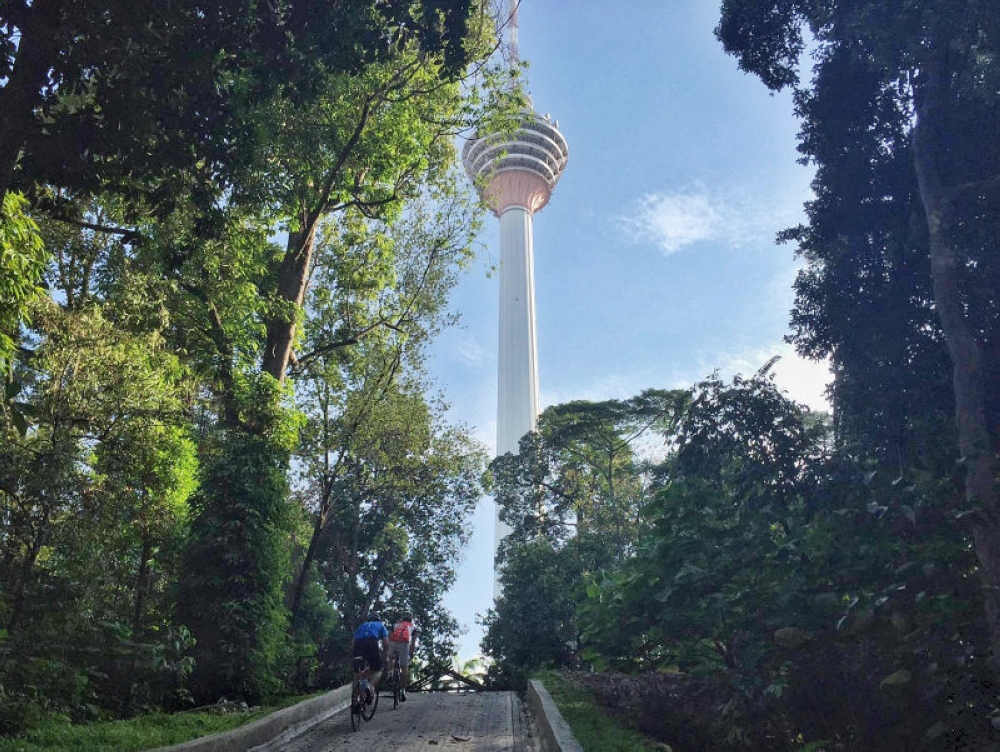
x,y
515,56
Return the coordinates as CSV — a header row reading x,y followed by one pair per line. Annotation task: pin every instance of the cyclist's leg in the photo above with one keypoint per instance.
x,y
374,657
394,670
367,648
403,651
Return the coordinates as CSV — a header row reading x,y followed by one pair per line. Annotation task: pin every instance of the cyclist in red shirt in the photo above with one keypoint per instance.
x,y
402,642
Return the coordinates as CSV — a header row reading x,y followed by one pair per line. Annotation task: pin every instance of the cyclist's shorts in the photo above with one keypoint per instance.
x,y
367,647
403,649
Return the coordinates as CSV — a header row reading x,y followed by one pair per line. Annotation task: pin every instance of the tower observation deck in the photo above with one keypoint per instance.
x,y
520,168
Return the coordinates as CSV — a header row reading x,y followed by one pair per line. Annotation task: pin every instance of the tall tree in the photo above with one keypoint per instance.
x,y
365,141
162,147
580,473
573,497
929,73
379,293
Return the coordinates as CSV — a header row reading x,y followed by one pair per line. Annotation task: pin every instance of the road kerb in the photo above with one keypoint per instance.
x,y
553,731
285,722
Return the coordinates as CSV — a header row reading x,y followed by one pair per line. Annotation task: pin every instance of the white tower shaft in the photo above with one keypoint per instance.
x,y
517,391
517,397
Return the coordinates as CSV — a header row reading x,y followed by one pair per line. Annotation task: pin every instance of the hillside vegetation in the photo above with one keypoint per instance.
x,y
741,572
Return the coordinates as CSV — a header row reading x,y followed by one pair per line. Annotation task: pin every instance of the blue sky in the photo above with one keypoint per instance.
x,y
655,262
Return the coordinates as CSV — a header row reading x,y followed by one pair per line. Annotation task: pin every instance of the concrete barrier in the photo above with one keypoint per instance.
x,y
285,723
553,731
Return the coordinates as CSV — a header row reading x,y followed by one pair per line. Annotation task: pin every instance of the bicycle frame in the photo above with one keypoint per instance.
x,y
395,679
359,708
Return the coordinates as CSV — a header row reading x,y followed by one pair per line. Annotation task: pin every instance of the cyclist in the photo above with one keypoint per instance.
x,y
370,643
402,642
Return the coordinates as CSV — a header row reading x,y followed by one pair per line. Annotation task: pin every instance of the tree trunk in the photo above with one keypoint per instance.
x,y
292,279
142,582
300,582
968,380
21,584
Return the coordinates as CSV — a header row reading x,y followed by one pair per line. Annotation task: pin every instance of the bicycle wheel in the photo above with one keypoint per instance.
x,y
367,711
394,683
357,704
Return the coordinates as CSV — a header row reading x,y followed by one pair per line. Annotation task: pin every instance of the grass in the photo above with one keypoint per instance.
x,y
142,732
593,726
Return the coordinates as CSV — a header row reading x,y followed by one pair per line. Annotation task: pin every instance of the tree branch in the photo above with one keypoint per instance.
x,y
128,235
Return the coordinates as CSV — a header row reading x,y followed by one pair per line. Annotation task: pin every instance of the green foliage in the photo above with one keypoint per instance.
x,y
139,733
94,498
186,349
166,95
22,261
236,563
532,623
390,491
779,593
573,498
899,117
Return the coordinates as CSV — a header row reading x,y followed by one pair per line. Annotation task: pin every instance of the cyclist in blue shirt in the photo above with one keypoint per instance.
x,y
370,642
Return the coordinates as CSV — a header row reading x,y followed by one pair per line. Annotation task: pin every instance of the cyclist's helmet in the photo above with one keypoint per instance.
x,y
373,617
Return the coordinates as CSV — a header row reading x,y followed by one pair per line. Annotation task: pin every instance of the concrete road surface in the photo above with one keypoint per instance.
x,y
427,721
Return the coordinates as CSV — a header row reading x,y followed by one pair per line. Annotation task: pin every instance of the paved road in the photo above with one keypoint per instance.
x,y
478,722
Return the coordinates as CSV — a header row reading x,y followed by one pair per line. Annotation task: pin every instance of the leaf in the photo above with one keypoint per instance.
x,y
897,678
877,509
11,389
790,637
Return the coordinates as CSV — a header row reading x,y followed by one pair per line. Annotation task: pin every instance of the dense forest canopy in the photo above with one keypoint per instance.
x,y
229,232
793,580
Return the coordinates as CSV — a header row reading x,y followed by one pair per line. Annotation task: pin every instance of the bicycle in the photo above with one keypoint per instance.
x,y
360,707
395,680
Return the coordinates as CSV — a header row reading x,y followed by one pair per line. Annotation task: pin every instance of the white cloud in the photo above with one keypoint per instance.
x,y
674,220
470,352
803,381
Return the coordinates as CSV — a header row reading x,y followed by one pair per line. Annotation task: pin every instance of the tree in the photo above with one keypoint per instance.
x,y
929,73
162,90
365,142
378,295
93,497
573,497
579,471
533,622
725,506
390,497
789,585
162,148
